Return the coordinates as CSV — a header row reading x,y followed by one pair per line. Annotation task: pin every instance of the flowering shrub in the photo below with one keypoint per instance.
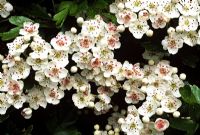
x,y
46,61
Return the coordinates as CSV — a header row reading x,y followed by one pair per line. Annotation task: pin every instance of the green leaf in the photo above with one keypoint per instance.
x,y
73,9
194,112
60,17
110,17
184,125
64,4
12,33
196,92
101,4
187,95
19,20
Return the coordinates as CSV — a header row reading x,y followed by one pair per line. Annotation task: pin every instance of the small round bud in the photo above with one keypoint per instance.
x,y
145,80
97,132
17,58
80,20
120,6
176,114
4,66
121,120
26,113
175,70
151,62
145,119
179,29
27,38
143,88
96,126
159,111
117,130
170,30
182,76
115,108
149,33
120,28
73,30
158,97
91,104
123,112
111,132
108,127
188,118
74,69
1,57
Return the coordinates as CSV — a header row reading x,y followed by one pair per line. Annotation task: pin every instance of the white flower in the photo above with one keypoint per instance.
x,y
131,85
175,84
138,28
5,8
111,28
132,125
85,43
82,59
164,70
135,5
102,52
40,48
16,100
29,29
55,72
152,6
172,43
62,41
188,23
18,46
143,15
158,20
133,96
110,40
188,7
59,57
79,82
53,95
92,28
82,99
190,38
3,81
14,87
148,108
101,107
20,70
4,105
110,67
170,104
126,17
149,73
169,10
104,98
37,64
36,97
149,129
161,124
44,81
66,83
132,110
9,60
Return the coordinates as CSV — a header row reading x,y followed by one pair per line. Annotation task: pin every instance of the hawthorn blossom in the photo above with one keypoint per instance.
x,y
138,28
170,104
20,70
158,20
82,99
3,82
16,100
14,87
164,70
85,43
161,124
134,96
101,107
9,60
55,72
18,46
82,59
148,108
188,23
132,125
62,41
29,29
102,52
53,95
5,8
126,17
59,57
169,10
66,83
135,5
190,38
152,6
4,105
40,48
172,43
37,64
36,98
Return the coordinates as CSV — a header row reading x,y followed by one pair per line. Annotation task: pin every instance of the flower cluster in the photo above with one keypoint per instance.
x,y
154,86
5,8
138,14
